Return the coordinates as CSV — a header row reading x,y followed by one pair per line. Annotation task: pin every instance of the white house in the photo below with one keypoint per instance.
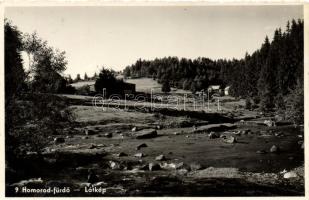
x,y
226,91
214,88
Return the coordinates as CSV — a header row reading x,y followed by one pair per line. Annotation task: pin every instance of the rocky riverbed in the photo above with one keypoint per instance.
x,y
148,154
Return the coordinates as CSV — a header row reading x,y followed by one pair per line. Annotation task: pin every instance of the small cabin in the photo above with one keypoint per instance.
x,y
214,88
227,91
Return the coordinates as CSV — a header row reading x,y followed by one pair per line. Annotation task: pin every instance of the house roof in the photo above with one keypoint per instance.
x,y
214,87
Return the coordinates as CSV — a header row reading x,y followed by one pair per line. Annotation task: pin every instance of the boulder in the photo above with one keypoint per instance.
x,y
261,152
117,131
114,165
279,134
214,127
195,166
154,166
300,142
179,165
122,154
230,140
290,174
270,123
279,118
85,137
141,146
168,165
223,136
245,132
89,132
182,172
93,146
59,140
213,135
134,129
139,155
274,149
31,153
146,133
143,167
237,133
160,158
108,135
176,133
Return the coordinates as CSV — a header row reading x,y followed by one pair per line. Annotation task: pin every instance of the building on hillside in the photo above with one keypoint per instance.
x,y
120,77
227,91
214,89
92,88
129,88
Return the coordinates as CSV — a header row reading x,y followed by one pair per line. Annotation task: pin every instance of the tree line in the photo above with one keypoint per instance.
x,y
267,76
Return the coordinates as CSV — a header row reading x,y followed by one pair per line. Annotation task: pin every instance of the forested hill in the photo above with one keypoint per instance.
x,y
269,73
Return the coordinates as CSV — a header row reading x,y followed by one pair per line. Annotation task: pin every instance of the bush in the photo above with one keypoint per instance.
x,y
295,106
279,102
106,80
69,89
31,119
166,87
84,90
256,100
248,104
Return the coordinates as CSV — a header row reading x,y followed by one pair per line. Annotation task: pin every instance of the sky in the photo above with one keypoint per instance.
x,y
115,37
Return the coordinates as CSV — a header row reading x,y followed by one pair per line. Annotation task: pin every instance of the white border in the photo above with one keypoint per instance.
x,y
26,3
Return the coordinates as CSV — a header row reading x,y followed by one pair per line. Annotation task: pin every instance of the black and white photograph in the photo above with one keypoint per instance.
x,y
154,100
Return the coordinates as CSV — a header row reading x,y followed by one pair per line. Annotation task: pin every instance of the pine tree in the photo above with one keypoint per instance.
x,y
14,71
85,77
267,82
77,78
166,87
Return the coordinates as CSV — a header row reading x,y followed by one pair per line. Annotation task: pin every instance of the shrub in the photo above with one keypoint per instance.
x,y
31,119
295,106
248,103
256,100
84,90
166,87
